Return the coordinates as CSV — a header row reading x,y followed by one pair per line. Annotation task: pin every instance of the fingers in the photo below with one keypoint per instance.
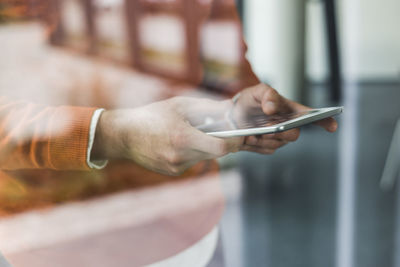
x,y
260,95
268,143
287,136
257,92
265,98
193,146
264,142
260,150
294,106
215,147
273,102
329,124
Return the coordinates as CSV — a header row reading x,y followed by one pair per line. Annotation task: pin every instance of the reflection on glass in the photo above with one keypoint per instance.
x,y
162,42
111,29
74,24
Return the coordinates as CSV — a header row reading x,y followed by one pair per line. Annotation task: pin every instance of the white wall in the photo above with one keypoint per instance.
x,y
376,52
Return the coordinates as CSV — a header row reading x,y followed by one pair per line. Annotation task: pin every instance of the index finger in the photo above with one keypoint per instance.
x,y
329,124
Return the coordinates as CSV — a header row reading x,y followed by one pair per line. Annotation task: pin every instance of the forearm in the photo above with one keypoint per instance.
x,y
33,136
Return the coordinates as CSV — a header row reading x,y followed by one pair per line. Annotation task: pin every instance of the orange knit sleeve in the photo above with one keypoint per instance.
x,y
35,137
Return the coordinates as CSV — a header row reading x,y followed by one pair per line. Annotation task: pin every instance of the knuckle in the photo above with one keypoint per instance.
x,y
265,86
179,138
178,103
271,92
174,158
280,136
176,170
261,86
271,95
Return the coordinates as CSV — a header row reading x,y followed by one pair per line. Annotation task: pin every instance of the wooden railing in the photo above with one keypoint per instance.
x,y
144,51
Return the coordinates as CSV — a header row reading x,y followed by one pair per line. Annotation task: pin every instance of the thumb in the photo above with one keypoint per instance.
x,y
273,102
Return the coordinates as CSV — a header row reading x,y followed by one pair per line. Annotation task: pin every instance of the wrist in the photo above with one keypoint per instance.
x,y
108,141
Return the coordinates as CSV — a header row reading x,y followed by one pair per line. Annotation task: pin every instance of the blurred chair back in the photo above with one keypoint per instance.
x,y
195,41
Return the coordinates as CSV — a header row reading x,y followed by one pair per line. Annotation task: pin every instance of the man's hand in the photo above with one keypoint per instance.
x,y
159,137
262,98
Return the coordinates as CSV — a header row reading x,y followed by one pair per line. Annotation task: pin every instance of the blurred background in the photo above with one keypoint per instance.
x,y
326,200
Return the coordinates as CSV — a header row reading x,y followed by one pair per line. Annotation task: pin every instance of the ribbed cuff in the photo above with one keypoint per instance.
x,y
69,138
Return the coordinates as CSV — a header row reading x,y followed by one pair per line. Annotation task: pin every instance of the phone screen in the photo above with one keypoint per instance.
x,y
252,121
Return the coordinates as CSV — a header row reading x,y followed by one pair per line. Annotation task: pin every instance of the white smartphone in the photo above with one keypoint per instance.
x,y
263,124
